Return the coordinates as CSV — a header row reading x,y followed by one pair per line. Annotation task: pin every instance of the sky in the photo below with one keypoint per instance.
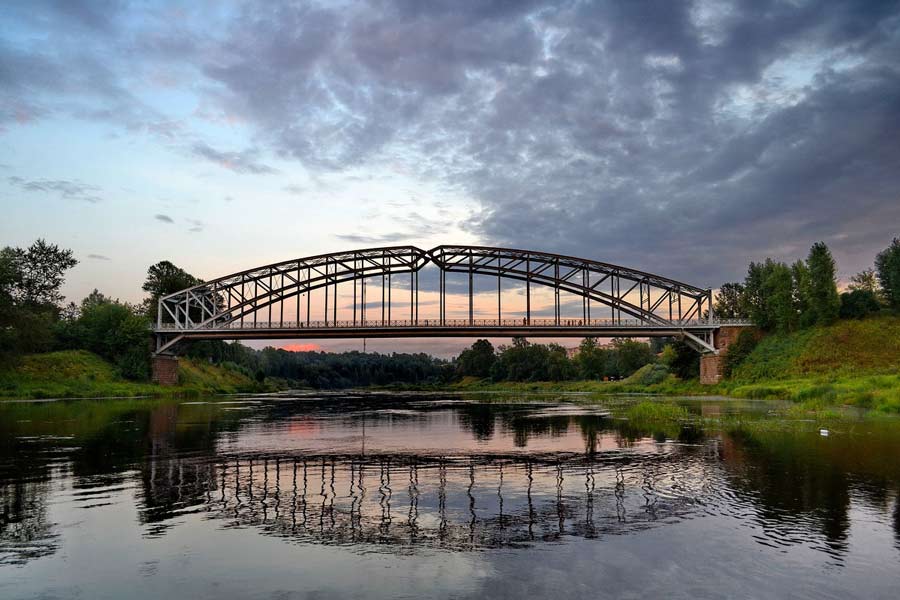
x,y
684,139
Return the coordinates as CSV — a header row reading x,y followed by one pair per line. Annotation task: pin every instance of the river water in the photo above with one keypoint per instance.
x,y
431,496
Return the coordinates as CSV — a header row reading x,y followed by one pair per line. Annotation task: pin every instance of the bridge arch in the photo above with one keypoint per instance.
x,y
636,302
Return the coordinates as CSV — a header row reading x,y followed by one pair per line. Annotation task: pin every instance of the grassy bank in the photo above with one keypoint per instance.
x,y
81,374
851,362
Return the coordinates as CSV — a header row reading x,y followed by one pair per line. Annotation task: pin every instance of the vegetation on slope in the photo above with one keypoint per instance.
x,y
78,373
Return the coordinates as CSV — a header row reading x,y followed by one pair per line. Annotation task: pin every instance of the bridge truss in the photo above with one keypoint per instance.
x,y
275,301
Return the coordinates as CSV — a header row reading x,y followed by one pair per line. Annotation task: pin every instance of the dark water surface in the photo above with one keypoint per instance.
x,y
390,496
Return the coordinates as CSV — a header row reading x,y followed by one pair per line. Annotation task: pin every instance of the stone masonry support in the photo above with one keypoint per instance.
x,y
165,369
712,366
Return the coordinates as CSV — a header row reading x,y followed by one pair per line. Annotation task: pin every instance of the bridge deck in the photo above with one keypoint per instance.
x,y
449,328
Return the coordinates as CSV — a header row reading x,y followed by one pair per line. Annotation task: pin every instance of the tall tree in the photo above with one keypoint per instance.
x,y
165,278
477,360
40,273
729,304
802,292
778,289
823,298
866,280
887,264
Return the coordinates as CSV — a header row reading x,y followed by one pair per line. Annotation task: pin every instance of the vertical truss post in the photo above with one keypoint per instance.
x,y
308,294
299,295
528,291
556,292
411,292
417,298
389,297
355,269
255,296
326,293
281,304
670,304
680,314
382,297
362,307
499,295
709,300
334,305
270,303
471,306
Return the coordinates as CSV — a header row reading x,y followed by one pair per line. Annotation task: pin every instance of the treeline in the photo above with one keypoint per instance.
x,y
781,297
325,370
526,361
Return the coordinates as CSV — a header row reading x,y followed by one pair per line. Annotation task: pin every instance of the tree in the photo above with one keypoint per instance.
x,y
165,278
741,348
477,360
778,289
729,301
866,280
682,360
801,292
630,355
887,265
30,280
590,359
823,299
859,303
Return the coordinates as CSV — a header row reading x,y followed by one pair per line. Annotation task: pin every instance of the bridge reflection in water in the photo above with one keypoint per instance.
x,y
455,503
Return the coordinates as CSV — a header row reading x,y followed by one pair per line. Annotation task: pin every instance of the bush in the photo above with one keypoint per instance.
x,y
858,304
741,348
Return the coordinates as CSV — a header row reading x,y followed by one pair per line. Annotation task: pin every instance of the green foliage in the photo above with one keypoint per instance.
x,y
859,303
165,278
729,304
869,346
887,265
682,360
745,343
866,280
477,360
823,301
649,374
769,295
30,280
118,332
627,356
590,360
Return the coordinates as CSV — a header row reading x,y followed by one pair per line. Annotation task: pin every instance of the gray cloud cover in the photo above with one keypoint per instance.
x,y
677,137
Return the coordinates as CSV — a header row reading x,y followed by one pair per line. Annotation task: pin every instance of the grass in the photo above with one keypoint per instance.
x,y
854,363
81,374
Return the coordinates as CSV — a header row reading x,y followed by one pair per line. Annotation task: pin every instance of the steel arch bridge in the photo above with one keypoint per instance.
x,y
275,301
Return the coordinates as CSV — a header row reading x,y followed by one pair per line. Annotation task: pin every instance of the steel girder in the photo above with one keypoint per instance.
x,y
239,297
588,279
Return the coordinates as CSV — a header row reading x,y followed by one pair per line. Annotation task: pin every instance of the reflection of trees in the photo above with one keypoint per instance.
x,y
792,487
25,532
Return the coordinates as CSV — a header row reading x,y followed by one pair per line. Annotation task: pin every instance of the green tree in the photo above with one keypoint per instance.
x,y
477,360
857,304
590,359
802,291
682,360
41,273
823,298
866,280
887,265
165,278
741,348
631,355
729,301
778,290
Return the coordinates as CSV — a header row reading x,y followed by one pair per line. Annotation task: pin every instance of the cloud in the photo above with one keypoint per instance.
x,y
98,257
667,136
164,219
196,226
239,162
64,188
385,238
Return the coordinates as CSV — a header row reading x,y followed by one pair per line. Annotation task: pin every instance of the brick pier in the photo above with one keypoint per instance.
x,y
165,369
712,366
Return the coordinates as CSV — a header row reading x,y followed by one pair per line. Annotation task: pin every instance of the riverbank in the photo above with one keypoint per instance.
x,y
82,374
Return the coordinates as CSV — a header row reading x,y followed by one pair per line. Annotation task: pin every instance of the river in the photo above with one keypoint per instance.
x,y
357,495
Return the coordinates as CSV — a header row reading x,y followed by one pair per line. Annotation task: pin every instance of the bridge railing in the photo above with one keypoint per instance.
x,y
604,323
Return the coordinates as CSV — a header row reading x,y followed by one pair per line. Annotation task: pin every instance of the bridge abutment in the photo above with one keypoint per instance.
x,y
164,369
712,366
